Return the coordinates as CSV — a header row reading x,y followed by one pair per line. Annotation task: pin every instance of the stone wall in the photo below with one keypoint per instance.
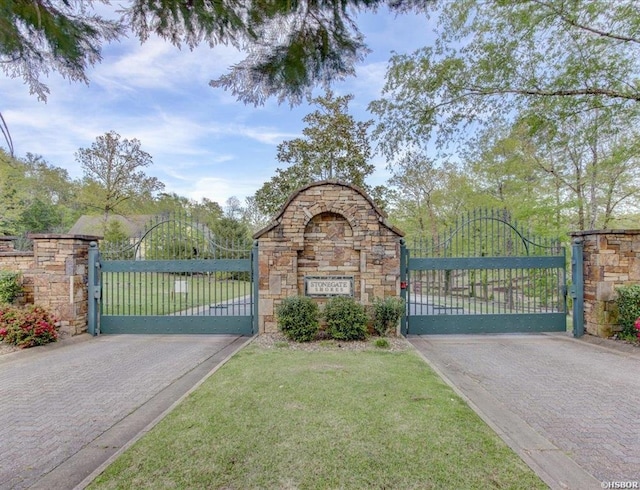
x,y
611,259
54,275
326,229
17,261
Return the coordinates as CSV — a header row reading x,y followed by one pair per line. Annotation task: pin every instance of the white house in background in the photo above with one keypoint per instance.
x,y
139,228
133,226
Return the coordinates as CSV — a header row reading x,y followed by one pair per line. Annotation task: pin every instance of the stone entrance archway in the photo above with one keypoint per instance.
x,y
326,229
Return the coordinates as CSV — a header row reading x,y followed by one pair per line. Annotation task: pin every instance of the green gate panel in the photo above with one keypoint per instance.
x,y
485,274
162,281
491,324
122,324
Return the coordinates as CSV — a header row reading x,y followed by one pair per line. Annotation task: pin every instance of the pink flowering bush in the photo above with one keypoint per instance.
x,y
27,327
637,325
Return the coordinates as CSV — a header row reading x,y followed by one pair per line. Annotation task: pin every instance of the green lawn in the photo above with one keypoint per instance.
x,y
284,418
154,293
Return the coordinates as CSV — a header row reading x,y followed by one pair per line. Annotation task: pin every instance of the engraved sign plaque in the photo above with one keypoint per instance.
x,y
328,286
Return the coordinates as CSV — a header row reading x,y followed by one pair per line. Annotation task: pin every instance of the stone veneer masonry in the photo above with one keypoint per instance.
x,y
326,229
611,259
54,275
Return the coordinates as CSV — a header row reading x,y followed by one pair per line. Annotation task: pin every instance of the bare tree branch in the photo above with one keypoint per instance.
x,y
565,18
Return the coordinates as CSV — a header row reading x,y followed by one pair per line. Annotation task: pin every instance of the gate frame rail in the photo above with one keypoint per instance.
x,y
164,324
480,323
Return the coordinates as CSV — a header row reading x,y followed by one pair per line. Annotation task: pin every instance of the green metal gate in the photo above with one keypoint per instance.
x,y
484,276
176,277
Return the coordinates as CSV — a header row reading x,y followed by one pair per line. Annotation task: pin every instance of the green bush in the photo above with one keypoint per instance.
x,y
382,344
346,319
27,327
298,318
9,286
386,313
628,308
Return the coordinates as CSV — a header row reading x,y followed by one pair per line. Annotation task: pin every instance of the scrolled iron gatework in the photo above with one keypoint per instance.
x,y
176,237
485,275
177,276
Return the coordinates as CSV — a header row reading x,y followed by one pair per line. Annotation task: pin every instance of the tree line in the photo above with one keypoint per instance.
x,y
520,166
38,197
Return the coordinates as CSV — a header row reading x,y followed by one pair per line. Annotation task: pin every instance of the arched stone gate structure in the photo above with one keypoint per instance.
x,y
326,230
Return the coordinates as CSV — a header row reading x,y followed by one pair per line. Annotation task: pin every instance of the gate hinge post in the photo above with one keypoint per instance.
x,y
404,325
94,290
577,285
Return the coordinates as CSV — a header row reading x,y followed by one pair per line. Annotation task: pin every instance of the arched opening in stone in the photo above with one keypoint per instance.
x,y
329,250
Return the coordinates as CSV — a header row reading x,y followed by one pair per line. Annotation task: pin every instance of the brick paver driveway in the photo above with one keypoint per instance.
x,y
65,409
582,397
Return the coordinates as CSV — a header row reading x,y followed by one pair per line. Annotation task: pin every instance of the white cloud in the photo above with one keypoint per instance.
x,y
203,142
157,64
216,189
266,135
370,79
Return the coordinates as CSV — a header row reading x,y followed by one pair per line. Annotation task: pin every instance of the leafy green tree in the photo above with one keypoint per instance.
x,y
11,185
168,202
494,58
579,171
208,211
230,231
115,232
428,195
232,238
334,146
36,196
591,159
52,183
38,36
112,174
537,96
253,216
41,217
291,45
205,211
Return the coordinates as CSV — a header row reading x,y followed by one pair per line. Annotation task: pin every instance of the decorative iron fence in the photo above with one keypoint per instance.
x,y
489,275
173,278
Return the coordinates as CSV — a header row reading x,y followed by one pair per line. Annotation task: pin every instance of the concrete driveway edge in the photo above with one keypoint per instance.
x,y
226,354
552,465
99,397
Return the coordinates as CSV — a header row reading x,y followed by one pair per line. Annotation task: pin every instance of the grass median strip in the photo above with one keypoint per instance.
x,y
284,418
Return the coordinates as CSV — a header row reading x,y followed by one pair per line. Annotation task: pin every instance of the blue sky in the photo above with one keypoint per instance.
x,y
203,142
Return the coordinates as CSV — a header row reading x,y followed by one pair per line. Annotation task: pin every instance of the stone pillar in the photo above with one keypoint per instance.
x,y
6,243
611,259
18,261
60,278
326,229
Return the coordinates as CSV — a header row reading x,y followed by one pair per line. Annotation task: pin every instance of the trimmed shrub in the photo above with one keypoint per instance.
x,y
298,318
628,303
346,319
10,286
27,327
386,313
382,343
